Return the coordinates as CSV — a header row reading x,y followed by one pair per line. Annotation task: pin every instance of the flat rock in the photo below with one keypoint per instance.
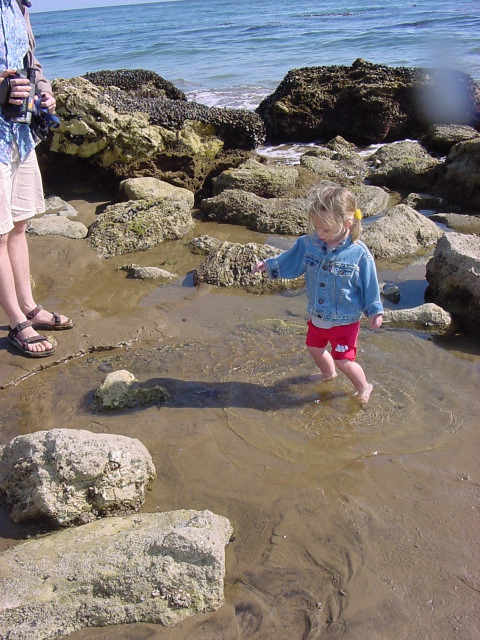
x,y
57,225
157,568
425,316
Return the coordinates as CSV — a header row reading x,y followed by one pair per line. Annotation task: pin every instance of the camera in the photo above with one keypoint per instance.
x,y
22,113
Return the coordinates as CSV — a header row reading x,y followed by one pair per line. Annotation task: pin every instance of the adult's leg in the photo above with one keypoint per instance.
x,y
26,200
9,301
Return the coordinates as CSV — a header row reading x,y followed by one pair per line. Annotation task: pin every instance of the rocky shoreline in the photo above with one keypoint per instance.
x,y
171,167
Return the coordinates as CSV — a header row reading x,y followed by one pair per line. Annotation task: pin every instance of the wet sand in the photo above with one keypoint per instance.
x,y
353,523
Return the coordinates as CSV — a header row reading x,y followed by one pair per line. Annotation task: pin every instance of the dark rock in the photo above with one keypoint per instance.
x,y
367,103
459,182
138,82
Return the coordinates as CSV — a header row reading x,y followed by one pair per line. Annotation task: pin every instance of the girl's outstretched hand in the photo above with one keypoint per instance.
x,y
375,322
259,267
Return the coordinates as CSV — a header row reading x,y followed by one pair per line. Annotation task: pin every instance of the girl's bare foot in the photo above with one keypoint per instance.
x,y
321,377
363,396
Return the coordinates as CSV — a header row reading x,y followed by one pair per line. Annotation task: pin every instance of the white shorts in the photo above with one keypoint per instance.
x,y
21,190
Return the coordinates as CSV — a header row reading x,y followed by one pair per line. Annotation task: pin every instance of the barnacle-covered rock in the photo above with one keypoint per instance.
x,y
120,128
138,225
367,103
230,264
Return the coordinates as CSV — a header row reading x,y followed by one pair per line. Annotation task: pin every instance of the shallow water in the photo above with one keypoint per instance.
x,y
349,522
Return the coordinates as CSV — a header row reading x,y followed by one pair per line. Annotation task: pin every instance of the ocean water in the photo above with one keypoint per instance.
x,y
233,53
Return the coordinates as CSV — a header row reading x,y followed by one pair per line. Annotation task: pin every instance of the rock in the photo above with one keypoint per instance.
x,y
120,390
391,292
403,164
56,225
402,230
425,316
149,188
108,133
68,476
372,201
284,216
458,222
340,169
204,244
424,201
156,568
136,82
340,145
442,137
367,103
266,181
230,265
57,206
453,274
139,224
138,272
460,180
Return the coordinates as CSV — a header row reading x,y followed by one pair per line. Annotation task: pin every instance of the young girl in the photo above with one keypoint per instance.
x,y
341,283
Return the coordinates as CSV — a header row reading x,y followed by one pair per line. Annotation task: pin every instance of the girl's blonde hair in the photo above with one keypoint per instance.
x,y
334,206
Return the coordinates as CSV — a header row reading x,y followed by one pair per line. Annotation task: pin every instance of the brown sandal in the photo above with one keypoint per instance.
x,y
57,326
22,343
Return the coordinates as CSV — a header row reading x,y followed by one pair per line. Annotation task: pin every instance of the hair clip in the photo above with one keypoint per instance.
x,y
358,214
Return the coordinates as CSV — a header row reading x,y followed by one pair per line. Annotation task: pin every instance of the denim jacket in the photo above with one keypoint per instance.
x,y
341,283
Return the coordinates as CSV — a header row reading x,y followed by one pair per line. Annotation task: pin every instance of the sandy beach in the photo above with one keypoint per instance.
x,y
349,523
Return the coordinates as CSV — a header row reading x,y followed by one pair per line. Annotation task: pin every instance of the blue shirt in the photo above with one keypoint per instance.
x,y
13,47
341,282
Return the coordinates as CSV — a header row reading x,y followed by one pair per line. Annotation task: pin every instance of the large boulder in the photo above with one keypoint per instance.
x,y
404,164
138,225
453,274
283,216
157,568
108,133
67,476
401,231
266,181
460,180
367,103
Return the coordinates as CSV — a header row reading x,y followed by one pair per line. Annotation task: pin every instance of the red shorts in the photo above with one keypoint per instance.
x,y
343,339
